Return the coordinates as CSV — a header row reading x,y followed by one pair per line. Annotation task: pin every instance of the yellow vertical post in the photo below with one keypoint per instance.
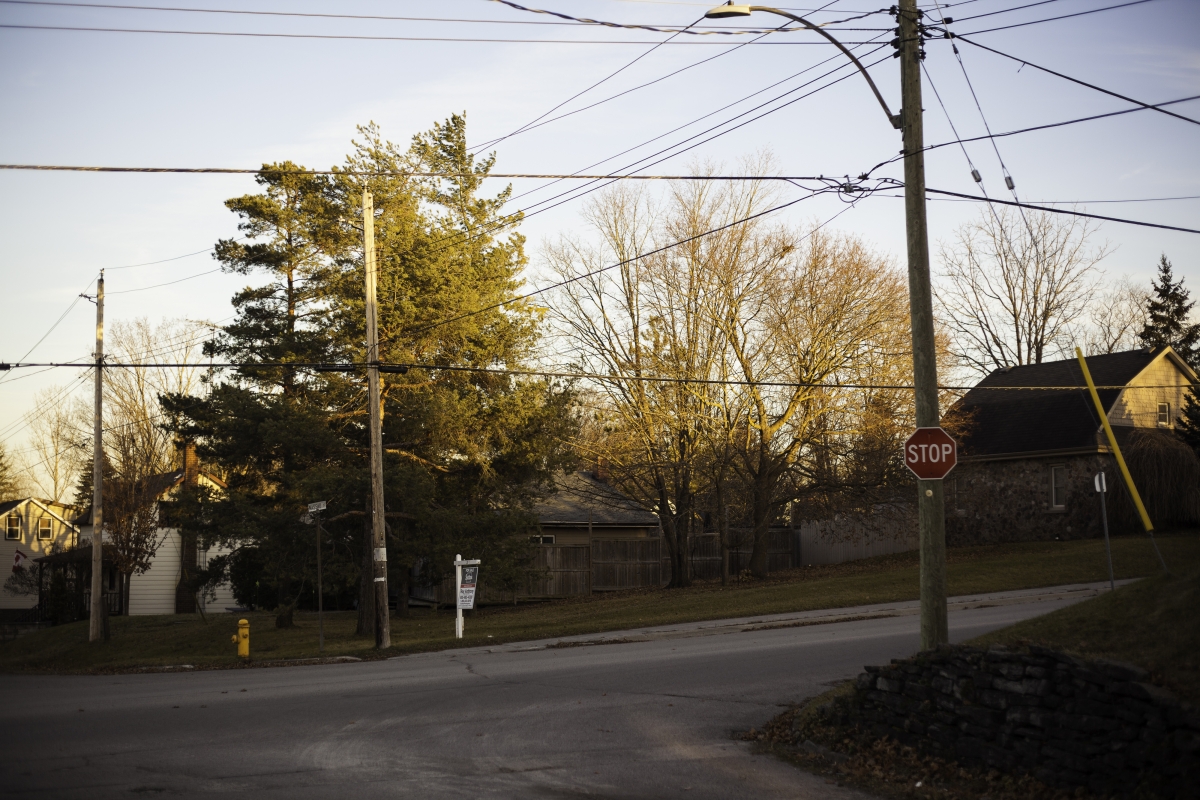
x,y
1112,442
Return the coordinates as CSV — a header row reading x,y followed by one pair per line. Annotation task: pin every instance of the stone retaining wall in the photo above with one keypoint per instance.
x,y
1068,722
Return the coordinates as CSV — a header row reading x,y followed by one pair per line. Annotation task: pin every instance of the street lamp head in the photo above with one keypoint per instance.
x,y
728,10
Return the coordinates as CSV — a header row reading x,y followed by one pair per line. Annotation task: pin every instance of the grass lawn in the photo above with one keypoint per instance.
x,y
168,640
1153,623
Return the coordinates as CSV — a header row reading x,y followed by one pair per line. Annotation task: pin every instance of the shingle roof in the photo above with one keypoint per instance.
x,y
995,422
580,498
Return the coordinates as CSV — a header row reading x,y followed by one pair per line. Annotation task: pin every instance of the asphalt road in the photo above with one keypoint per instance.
x,y
648,714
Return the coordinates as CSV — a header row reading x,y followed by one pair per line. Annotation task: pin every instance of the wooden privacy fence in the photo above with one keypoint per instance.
x,y
566,570
833,541
705,552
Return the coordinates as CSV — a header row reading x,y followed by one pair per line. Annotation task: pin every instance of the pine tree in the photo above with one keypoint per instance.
x,y
1187,425
1168,311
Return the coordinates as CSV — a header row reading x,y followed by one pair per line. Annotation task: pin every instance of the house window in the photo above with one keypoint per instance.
x,y
44,530
1058,487
1164,415
12,527
547,539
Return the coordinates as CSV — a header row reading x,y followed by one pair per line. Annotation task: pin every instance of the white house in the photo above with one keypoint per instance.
x,y
157,590
33,528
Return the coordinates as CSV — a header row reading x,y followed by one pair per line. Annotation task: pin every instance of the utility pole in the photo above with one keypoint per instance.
x,y
95,616
383,632
930,498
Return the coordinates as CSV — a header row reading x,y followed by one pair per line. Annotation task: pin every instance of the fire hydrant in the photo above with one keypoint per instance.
x,y
242,638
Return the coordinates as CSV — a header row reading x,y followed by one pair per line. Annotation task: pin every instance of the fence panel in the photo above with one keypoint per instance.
x,y
849,539
626,563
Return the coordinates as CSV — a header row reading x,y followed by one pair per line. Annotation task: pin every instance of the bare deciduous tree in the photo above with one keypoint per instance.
x,y
1116,315
1013,285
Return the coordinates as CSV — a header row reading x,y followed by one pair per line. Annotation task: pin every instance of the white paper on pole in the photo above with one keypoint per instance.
x,y
381,554
1100,485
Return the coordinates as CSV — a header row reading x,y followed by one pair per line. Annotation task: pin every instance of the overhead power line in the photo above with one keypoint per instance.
x,y
369,38
316,15
1063,211
630,26
1052,19
402,174
1047,70
403,367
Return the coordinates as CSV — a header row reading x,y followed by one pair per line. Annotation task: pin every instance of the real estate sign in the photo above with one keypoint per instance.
x,y
466,590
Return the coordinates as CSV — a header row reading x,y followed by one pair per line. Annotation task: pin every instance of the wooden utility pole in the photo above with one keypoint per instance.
x,y
930,498
383,633
96,613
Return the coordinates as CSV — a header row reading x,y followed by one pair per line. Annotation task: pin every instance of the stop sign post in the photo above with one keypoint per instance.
x,y
930,453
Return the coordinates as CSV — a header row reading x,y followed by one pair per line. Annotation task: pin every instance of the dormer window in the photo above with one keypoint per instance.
x,y
1164,415
12,527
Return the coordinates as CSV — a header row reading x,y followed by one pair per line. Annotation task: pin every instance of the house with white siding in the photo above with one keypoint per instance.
x,y
158,590
33,528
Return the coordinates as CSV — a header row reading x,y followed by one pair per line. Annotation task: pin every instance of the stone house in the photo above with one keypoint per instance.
x,y
1029,444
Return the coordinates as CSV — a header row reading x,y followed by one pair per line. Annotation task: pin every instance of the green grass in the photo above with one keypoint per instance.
x,y
167,640
1153,623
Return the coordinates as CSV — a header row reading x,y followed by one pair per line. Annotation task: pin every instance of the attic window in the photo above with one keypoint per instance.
x,y
12,527
1058,487
44,529
1164,415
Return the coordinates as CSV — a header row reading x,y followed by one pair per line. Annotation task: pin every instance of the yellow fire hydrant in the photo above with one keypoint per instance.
x,y
242,638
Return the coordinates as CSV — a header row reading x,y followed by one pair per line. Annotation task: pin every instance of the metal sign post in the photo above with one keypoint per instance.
x,y
1101,488
315,509
465,581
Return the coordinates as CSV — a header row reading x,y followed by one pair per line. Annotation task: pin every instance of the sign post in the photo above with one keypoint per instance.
x,y
1101,488
930,454
466,578
315,509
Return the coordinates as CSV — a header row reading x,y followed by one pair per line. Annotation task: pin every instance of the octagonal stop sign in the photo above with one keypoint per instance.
x,y
930,453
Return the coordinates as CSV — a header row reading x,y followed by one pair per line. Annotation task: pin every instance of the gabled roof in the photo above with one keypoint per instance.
x,y
581,498
45,505
158,485
994,422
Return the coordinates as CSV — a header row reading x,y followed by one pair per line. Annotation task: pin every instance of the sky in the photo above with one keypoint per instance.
x,y
137,99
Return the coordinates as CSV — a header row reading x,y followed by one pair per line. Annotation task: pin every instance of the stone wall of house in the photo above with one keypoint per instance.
x,y
1067,722
1006,501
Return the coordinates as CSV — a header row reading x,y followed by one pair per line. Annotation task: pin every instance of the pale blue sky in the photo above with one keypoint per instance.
x,y
72,97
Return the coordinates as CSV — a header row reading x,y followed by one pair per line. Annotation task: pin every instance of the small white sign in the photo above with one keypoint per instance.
x,y
1101,486
466,590
381,554
317,506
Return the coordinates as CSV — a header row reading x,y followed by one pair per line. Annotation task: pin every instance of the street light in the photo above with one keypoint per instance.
x,y
930,498
730,10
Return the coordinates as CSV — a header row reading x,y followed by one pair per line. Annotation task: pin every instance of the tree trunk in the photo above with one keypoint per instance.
x,y
759,560
402,591
723,533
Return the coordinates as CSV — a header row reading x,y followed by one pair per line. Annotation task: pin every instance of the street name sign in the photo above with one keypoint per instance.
x,y
930,453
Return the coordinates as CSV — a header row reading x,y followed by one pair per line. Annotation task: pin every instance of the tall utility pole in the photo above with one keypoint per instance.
x,y
931,509
95,618
383,632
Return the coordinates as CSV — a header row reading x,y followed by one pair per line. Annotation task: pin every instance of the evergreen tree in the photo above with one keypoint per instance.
x,y
11,485
1187,425
1168,312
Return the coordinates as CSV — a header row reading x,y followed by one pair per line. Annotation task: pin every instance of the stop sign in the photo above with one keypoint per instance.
x,y
930,453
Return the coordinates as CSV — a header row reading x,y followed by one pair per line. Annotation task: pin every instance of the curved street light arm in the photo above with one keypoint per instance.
x,y
892,118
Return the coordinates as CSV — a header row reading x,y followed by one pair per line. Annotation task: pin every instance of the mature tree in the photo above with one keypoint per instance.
x,y
12,481
1117,315
1187,426
466,448
1169,308
57,442
1014,284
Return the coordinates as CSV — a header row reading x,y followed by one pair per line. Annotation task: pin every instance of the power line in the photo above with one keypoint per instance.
x,y
1052,19
1078,81
373,173
396,367
1064,211
301,14
585,20
168,283
364,37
